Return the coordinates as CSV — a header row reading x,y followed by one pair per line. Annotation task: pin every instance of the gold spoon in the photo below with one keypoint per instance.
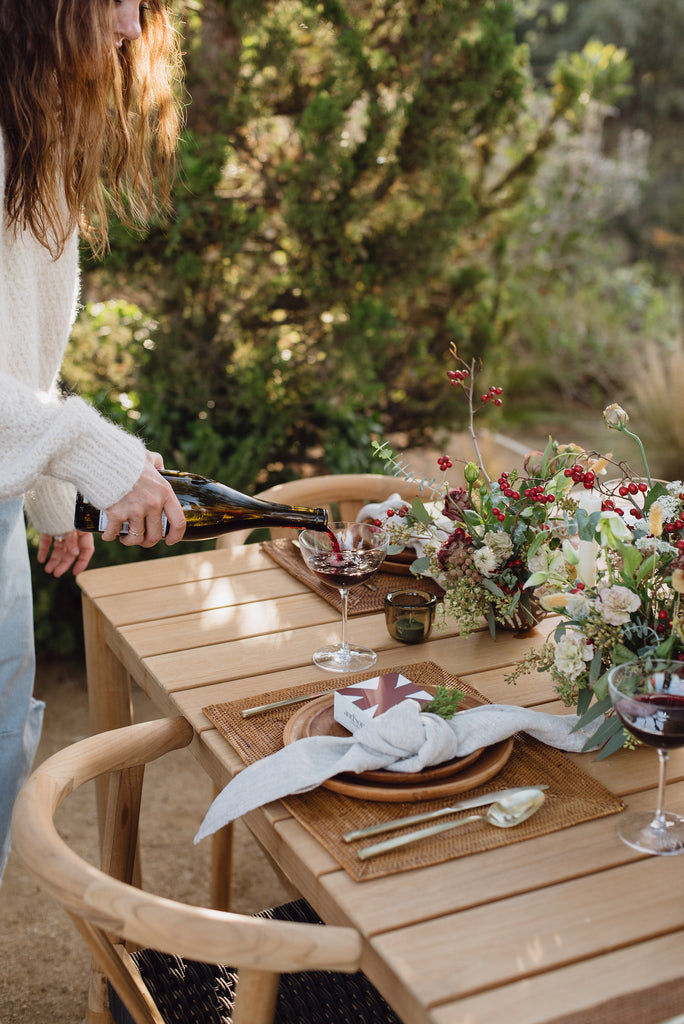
x,y
505,813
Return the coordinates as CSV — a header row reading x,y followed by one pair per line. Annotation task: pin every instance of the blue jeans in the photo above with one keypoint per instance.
x,y
21,716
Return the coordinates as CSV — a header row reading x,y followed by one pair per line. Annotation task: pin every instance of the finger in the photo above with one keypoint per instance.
x,y
44,546
86,546
135,534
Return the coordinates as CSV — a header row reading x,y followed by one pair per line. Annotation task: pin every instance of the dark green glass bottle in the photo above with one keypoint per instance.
x,y
212,508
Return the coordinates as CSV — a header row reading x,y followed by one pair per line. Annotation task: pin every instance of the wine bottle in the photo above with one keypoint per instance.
x,y
211,509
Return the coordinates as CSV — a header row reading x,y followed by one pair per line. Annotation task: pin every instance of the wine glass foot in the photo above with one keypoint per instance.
x,y
347,658
639,831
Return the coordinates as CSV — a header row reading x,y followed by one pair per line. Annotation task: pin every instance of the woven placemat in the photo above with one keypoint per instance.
x,y
361,599
572,796
655,1005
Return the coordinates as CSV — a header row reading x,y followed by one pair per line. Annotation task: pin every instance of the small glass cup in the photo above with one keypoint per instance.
x,y
409,615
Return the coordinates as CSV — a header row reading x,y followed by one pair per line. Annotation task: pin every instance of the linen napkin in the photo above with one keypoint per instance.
x,y
443,526
403,739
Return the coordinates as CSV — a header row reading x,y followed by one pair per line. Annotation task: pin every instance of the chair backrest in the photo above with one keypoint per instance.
x,y
343,495
107,910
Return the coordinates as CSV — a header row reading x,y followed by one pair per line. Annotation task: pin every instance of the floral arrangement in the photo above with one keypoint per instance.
x,y
623,600
491,543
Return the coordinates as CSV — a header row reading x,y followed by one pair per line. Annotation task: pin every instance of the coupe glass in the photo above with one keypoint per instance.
x,y
345,557
648,696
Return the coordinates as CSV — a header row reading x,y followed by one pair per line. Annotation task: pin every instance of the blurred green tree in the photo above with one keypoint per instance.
x,y
350,174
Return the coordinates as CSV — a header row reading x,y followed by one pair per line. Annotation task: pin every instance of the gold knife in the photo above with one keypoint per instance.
x,y
463,805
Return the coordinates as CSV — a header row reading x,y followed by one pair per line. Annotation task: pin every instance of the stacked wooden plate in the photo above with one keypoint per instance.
x,y
455,776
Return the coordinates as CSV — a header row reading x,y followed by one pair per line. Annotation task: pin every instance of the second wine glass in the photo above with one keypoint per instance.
x,y
344,557
648,696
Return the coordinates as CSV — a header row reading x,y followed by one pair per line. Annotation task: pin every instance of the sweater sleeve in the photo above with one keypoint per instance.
x,y
68,441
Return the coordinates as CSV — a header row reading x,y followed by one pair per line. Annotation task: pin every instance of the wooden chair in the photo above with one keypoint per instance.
x,y
183,940
343,494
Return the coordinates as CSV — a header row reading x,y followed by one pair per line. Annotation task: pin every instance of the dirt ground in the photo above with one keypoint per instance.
x,y
44,962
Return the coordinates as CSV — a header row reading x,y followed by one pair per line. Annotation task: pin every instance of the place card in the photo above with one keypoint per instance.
x,y
358,704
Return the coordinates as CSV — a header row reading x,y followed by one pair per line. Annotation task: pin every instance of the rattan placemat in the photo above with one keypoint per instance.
x,y
573,796
361,599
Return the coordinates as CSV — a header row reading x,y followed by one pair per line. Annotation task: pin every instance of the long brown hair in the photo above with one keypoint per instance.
x,y
89,128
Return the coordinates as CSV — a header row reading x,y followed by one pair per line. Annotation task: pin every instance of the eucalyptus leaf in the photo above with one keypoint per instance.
x,y
595,666
592,713
492,587
616,742
419,566
601,687
420,513
606,729
586,524
491,620
584,700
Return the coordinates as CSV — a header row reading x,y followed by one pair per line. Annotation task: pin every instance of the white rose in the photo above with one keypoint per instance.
x,y
572,654
500,543
616,604
485,561
578,605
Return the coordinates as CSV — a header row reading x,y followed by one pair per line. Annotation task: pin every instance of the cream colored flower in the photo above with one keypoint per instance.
x,y
578,605
500,543
572,654
615,416
485,561
616,604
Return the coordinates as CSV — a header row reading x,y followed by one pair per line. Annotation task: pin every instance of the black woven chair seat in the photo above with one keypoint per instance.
x,y
187,992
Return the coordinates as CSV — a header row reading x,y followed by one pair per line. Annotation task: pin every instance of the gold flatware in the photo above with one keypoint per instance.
x,y
505,813
413,819
248,712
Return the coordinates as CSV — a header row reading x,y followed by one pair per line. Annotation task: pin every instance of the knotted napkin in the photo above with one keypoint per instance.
x,y
440,531
403,739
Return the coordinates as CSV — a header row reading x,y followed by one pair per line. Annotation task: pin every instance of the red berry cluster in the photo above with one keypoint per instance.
x,y
444,463
632,488
580,475
608,505
664,623
537,495
498,514
456,377
494,394
391,513
505,485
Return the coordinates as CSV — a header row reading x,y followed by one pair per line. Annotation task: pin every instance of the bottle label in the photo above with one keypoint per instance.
x,y
103,520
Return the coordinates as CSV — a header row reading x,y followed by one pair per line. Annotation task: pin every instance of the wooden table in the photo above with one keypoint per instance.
x,y
571,927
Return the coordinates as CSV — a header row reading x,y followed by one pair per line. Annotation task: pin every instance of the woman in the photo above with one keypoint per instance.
x,y
88,123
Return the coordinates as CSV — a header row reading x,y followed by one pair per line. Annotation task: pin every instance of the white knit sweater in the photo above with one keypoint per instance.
x,y
49,447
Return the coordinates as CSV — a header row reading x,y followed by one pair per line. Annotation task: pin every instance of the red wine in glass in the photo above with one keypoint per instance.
x,y
344,568
333,540
648,697
346,555
654,718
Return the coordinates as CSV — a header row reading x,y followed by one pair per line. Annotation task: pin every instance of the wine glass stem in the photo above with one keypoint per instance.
x,y
344,593
659,819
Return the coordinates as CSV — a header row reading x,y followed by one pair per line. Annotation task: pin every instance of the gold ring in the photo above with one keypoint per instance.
x,y
136,533
60,539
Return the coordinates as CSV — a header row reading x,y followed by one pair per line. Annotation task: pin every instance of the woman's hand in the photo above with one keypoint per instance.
x,y
142,509
73,549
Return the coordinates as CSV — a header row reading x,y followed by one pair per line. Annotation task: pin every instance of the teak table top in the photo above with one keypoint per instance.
x,y
572,927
